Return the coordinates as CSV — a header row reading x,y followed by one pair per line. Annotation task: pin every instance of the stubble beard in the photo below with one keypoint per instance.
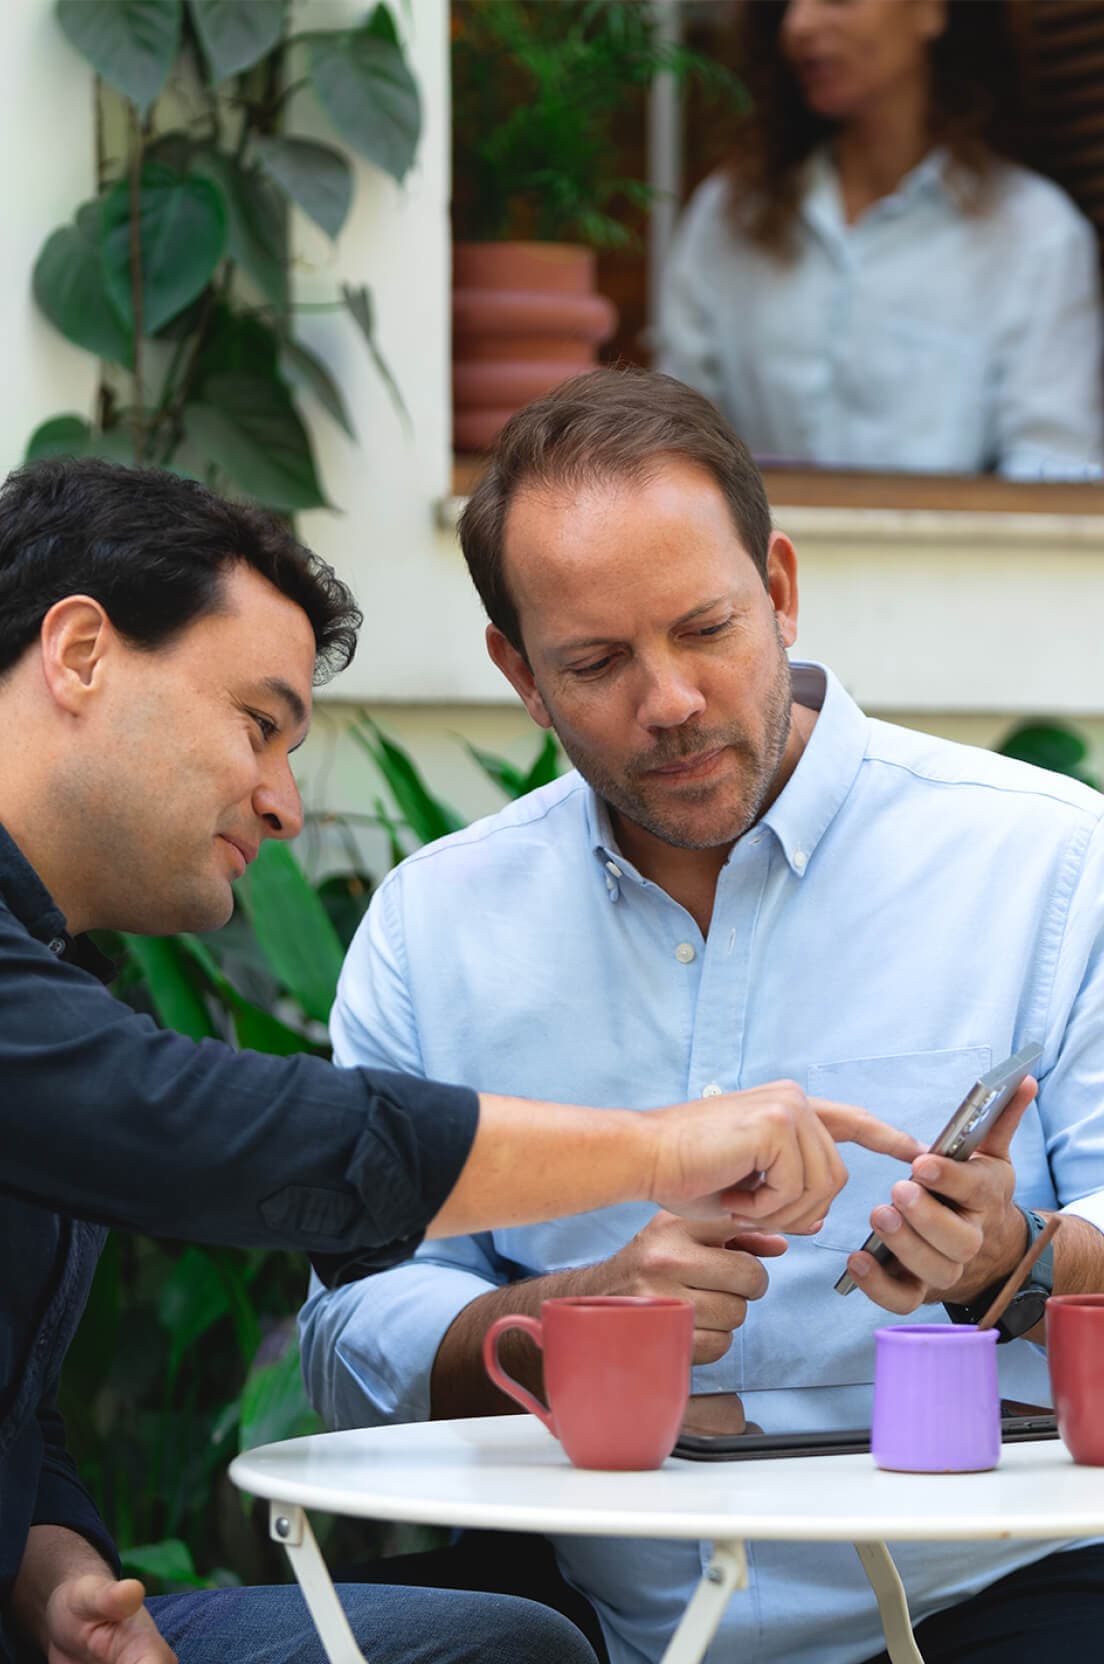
x,y
674,823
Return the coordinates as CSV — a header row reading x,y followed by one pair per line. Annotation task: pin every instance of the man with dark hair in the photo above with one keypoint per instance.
x,y
157,653
743,877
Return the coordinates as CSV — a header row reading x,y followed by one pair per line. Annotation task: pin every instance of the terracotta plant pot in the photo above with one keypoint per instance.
x,y
525,316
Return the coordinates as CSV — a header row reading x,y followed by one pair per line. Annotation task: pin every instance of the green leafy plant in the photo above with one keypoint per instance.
x,y
177,272
187,1354
1053,745
538,93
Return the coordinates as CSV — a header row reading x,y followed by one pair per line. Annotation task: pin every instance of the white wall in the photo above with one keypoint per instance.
x,y
47,130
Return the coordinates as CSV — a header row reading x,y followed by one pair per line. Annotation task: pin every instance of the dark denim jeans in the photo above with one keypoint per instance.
x,y
391,1625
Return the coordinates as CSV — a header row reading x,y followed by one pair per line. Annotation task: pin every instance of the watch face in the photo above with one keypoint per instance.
x,y
1024,1312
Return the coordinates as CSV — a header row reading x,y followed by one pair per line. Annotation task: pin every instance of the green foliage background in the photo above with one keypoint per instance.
x,y
540,94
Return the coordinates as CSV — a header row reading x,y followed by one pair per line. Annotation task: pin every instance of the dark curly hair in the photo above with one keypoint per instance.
x,y
976,112
152,548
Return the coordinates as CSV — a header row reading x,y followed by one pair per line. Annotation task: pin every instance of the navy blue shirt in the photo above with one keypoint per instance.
x,y
105,1119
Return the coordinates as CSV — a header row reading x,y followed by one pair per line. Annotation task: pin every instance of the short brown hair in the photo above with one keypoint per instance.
x,y
609,424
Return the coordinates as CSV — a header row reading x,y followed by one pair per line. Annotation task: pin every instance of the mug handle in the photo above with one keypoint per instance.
x,y
498,1375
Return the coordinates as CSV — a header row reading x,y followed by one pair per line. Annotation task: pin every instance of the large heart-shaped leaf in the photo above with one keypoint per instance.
x,y
364,84
293,929
315,176
182,235
247,426
256,236
60,436
305,369
234,34
131,43
70,287
237,341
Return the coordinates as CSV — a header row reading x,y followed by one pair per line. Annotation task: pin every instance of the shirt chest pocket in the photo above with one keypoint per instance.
x,y
917,1091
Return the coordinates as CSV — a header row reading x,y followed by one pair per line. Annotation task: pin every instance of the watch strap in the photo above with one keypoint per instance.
x,y
1028,1303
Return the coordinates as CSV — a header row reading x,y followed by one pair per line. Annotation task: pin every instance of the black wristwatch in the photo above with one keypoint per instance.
x,y
1028,1304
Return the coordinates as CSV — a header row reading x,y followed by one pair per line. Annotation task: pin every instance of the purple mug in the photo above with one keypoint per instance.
x,y
936,1398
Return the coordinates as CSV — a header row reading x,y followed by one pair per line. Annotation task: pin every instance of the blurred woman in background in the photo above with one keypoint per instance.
x,y
871,282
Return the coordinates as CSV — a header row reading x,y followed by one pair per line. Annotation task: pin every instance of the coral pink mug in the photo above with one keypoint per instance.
x,y
1075,1353
616,1374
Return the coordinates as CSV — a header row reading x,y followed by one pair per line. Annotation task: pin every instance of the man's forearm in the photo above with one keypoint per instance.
x,y
53,1555
1078,1263
532,1160
459,1385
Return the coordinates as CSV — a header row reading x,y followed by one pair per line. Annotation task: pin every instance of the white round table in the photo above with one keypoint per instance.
x,y
507,1473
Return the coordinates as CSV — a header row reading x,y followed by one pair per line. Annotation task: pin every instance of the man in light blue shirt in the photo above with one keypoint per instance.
x,y
745,879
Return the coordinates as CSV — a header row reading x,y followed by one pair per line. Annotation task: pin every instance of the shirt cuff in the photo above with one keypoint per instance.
x,y
372,1364
62,1500
1089,1208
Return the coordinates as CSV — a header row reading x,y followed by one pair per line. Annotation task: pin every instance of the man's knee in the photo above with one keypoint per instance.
x,y
444,1626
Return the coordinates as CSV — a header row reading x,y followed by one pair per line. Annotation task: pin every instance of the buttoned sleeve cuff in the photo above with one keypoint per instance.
x,y
410,1156
62,1500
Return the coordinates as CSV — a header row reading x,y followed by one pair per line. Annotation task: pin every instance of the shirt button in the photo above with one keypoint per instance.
x,y
712,1090
800,860
612,867
685,953
58,945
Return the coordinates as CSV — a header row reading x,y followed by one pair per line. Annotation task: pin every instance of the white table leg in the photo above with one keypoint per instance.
x,y
290,1527
725,1572
886,1583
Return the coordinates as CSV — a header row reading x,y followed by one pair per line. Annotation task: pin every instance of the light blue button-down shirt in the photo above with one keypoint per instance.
x,y
922,337
906,913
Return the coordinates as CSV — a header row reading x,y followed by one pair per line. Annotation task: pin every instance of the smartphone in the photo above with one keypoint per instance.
x,y
750,1447
975,1116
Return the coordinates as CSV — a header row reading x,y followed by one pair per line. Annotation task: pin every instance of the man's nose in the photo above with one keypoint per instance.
x,y
669,699
278,803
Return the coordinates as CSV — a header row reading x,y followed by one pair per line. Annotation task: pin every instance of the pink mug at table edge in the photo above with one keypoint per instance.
x,y
1075,1358
616,1375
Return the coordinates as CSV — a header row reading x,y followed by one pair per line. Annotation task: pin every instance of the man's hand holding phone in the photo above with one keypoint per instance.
x,y
954,1252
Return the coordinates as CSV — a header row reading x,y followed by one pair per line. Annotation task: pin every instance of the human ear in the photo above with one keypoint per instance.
x,y
515,667
782,585
74,639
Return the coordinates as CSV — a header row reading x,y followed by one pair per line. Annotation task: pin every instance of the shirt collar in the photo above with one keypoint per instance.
x,y
822,207
32,904
810,799
825,772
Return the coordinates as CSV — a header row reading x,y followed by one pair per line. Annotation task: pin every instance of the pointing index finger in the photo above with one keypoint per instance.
x,y
849,1125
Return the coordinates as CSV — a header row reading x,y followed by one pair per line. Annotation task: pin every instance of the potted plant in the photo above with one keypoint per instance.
x,y
538,91
177,274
